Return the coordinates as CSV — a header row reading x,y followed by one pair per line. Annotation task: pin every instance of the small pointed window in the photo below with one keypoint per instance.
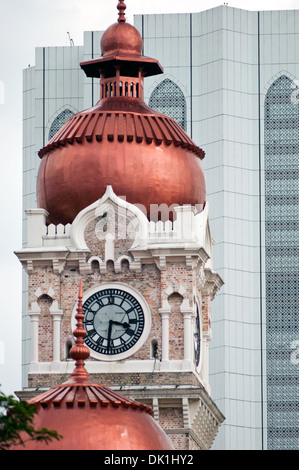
x,y
168,99
59,121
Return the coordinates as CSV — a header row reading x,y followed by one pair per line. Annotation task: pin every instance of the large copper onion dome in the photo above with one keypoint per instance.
x,y
89,416
145,156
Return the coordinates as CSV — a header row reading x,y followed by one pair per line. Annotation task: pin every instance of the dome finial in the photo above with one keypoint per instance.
x,y
121,11
80,352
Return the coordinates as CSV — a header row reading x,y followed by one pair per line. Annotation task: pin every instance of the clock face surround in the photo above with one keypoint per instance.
x,y
116,320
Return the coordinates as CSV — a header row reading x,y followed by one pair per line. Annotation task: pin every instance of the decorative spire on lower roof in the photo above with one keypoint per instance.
x,y
79,352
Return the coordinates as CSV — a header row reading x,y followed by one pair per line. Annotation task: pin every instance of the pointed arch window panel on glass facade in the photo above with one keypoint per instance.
x,y
282,261
168,99
59,121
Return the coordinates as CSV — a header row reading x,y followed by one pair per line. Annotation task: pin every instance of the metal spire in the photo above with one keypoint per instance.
x,y
121,11
79,352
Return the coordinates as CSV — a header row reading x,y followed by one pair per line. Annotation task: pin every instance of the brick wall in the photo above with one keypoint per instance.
x,y
154,284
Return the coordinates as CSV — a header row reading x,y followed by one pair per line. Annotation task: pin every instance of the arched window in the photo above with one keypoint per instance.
x,y
282,260
59,121
168,99
95,266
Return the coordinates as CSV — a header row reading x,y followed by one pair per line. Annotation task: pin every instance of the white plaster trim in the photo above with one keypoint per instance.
x,y
98,208
123,367
36,226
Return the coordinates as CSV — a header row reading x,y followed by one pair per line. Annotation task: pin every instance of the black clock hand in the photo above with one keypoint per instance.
x,y
125,324
109,333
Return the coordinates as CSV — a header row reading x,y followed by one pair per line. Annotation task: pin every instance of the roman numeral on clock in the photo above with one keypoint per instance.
x,y
92,332
130,331
130,310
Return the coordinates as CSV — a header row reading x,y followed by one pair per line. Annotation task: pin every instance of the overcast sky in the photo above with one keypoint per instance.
x,y
24,25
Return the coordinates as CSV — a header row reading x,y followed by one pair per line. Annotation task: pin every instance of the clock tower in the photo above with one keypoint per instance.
x,y
122,211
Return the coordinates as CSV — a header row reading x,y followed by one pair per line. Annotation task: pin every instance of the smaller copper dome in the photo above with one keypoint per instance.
x,y
89,416
121,44
122,39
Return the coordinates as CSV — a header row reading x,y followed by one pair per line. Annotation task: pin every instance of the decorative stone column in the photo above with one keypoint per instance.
x,y
34,314
188,313
206,338
165,313
56,314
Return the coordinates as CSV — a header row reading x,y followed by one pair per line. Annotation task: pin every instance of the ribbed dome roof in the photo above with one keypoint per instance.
x,y
89,416
117,120
86,394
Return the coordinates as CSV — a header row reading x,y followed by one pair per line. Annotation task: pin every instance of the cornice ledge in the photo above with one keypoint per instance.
x,y
213,282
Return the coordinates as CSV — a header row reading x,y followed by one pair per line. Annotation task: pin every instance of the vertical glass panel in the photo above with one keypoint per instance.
x,y
168,99
282,262
59,121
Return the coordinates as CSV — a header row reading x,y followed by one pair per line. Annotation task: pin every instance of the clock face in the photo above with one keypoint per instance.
x,y
113,320
197,337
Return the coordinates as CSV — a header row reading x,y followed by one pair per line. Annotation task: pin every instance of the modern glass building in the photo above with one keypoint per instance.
x,y
231,81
